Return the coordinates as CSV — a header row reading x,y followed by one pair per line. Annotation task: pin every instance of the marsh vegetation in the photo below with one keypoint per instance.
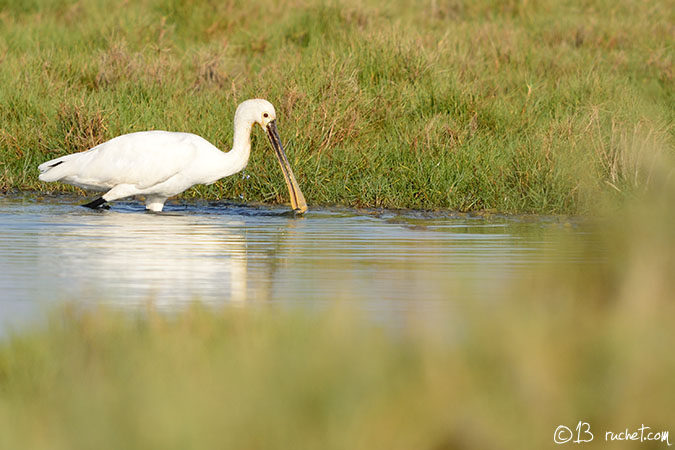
x,y
535,106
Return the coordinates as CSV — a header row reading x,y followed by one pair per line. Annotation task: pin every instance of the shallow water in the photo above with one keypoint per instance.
x,y
390,264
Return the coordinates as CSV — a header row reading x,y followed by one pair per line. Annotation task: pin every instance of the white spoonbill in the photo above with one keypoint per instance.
x,y
161,164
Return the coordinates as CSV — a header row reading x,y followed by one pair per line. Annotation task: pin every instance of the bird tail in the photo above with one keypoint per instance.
x,y
53,170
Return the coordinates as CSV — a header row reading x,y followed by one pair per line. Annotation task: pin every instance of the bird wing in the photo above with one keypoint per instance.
x,y
141,159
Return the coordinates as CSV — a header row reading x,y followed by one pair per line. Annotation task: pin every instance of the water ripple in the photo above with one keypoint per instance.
x,y
51,251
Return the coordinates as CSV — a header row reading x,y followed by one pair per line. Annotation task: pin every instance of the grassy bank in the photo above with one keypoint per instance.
x,y
539,106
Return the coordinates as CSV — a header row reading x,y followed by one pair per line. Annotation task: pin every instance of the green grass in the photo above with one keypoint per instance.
x,y
532,106
589,342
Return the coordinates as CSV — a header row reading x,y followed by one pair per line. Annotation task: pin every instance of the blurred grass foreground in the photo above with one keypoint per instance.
x,y
592,343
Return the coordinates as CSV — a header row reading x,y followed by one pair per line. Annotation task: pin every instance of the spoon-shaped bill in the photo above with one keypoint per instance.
x,y
298,202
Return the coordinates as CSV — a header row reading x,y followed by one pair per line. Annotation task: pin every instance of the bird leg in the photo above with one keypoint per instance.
x,y
97,203
154,203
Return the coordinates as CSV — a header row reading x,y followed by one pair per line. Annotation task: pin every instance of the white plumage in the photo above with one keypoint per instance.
x,y
161,164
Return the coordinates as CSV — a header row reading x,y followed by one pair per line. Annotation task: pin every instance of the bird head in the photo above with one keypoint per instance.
x,y
262,112
257,111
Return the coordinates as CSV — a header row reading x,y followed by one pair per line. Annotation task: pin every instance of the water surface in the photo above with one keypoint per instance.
x,y
387,263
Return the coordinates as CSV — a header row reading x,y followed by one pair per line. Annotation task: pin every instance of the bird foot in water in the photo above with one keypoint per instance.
x,y
97,203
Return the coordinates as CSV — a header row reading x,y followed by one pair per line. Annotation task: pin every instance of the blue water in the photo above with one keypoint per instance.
x,y
390,264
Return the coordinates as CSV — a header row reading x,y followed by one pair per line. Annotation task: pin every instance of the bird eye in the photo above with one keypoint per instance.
x,y
266,115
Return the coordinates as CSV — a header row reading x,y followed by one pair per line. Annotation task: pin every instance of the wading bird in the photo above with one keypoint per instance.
x,y
161,164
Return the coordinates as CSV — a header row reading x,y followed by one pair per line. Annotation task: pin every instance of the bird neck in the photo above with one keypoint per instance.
x,y
241,144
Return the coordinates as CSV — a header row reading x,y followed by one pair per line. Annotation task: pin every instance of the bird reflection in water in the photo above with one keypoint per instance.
x,y
167,258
